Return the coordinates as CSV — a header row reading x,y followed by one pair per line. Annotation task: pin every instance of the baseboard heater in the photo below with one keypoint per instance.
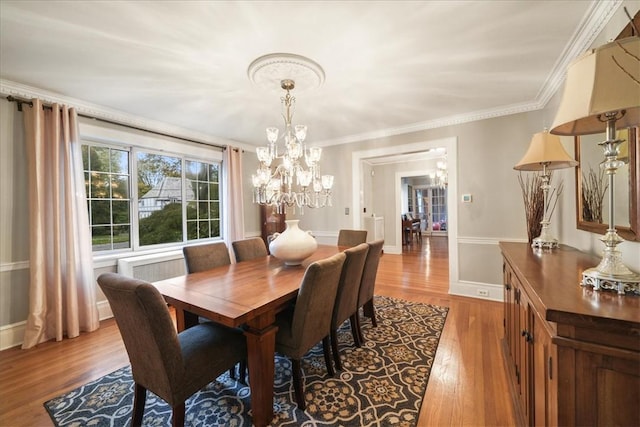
x,y
153,267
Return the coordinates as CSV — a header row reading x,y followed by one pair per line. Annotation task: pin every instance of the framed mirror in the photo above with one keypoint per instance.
x,y
592,198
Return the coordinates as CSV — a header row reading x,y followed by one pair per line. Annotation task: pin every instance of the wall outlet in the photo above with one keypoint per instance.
x,y
346,211
483,292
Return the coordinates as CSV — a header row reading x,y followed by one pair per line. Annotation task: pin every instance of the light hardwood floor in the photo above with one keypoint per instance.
x,y
468,384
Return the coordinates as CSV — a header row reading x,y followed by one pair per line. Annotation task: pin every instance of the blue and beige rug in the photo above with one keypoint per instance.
x,y
382,383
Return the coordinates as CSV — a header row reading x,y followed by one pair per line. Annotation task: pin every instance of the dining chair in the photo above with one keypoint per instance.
x,y
248,249
351,237
205,257
169,364
367,285
346,303
303,325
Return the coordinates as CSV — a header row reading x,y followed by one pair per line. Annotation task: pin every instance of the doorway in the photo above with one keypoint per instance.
x,y
393,208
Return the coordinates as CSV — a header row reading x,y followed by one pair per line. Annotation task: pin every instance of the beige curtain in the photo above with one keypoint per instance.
x,y
62,298
233,202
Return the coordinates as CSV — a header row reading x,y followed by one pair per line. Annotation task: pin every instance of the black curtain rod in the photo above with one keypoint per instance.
x,y
19,102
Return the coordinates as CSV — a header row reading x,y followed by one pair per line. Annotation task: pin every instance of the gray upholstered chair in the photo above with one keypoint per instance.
x,y
346,304
205,257
303,325
351,237
368,283
248,249
171,365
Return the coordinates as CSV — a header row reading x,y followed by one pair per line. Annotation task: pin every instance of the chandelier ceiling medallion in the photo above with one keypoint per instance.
x,y
289,172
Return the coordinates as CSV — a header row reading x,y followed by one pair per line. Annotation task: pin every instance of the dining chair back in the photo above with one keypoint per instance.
x,y
205,257
248,249
368,283
303,325
346,304
171,365
351,237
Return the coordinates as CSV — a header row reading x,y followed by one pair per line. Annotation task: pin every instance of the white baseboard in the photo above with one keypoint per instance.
x,y
488,291
13,335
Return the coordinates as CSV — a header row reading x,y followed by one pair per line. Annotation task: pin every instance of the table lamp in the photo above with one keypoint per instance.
x,y
544,154
603,91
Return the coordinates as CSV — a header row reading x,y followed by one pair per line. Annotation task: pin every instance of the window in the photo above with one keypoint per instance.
x,y
107,183
176,199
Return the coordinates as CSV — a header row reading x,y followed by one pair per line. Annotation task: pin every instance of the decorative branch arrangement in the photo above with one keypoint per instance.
x,y
533,198
594,188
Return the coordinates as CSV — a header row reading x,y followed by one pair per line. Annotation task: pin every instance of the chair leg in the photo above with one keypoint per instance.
x,y
370,312
359,327
326,346
354,329
177,419
243,372
335,350
297,383
139,399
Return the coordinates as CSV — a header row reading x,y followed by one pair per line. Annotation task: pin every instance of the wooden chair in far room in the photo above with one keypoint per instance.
x,y
248,249
303,325
205,257
367,285
171,365
346,305
351,237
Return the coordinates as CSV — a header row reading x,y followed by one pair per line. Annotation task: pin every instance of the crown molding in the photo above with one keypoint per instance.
x,y
22,91
595,19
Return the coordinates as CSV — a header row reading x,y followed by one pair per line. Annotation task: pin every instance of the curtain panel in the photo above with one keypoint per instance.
x,y
233,202
62,293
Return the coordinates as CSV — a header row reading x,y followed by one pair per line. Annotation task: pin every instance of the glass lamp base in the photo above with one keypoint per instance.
x,y
545,240
612,275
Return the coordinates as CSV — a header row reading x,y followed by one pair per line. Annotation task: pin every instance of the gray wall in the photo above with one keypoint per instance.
x,y
486,153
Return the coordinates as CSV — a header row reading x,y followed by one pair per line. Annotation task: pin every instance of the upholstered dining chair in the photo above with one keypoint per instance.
x,y
205,257
248,249
303,325
346,304
351,237
171,365
367,285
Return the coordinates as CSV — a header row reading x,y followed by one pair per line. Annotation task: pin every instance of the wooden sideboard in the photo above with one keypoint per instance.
x,y
572,354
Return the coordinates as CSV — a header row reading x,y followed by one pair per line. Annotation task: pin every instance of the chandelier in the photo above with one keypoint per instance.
x,y
440,177
289,171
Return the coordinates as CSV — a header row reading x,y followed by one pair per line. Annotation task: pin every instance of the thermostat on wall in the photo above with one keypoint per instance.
x,y
466,198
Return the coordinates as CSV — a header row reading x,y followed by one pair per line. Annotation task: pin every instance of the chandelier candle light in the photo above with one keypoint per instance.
x,y
544,154
290,184
602,91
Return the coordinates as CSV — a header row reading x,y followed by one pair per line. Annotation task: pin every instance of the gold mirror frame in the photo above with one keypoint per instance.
x,y
632,232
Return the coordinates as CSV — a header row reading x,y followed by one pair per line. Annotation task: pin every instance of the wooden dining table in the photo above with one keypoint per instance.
x,y
248,294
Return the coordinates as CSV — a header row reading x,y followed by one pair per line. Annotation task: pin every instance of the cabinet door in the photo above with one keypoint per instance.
x,y
525,355
271,222
545,388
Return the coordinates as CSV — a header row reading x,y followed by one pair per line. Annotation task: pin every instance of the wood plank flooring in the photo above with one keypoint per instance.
x,y
468,384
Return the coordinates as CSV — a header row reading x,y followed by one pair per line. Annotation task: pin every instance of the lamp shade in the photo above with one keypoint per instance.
x,y
545,149
603,80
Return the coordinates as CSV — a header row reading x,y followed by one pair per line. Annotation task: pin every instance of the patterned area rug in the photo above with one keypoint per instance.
x,y
382,383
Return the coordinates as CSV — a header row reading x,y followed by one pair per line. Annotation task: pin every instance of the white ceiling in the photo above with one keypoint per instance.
x,y
391,66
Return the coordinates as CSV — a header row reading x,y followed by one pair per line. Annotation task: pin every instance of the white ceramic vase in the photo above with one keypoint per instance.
x,y
293,245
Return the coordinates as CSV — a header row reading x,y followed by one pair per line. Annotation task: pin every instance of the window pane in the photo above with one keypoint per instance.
x,y
215,228
101,238
192,211
99,185
120,186
192,230
213,192
203,210
203,229
213,172
120,212
160,203
99,159
100,212
121,237
120,161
